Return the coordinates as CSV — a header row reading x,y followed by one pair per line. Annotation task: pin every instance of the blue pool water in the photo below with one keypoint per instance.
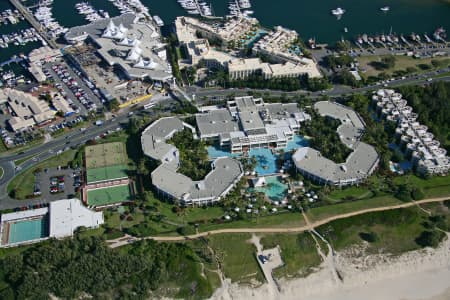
x,y
28,230
297,142
275,190
266,161
215,152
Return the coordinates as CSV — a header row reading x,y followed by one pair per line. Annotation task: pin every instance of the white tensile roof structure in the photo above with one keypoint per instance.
x,y
146,64
114,32
134,54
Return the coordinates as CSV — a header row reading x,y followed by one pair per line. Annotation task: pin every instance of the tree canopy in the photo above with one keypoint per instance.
x,y
73,267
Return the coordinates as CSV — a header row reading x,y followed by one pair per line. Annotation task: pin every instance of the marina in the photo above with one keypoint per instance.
x,y
21,37
393,40
194,7
90,13
314,19
10,17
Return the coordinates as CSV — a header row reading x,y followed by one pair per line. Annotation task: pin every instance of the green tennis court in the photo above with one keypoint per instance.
x,y
28,230
109,195
105,155
106,173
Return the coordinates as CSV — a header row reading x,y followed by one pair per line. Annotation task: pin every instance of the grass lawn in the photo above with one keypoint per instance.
x,y
192,214
112,219
23,183
353,191
2,147
237,257
442,75
323,212
298,252
396,230
279,220
435,186
401,63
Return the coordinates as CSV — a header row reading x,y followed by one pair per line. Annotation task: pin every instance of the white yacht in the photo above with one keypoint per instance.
x,y
338,11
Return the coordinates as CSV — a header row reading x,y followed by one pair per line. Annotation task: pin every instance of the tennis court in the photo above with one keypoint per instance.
x,y
28,230
105,155
109,195
106,173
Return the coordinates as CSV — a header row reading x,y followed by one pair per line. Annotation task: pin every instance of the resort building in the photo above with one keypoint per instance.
x,y
277,45
243,68
231,31
127,41
225,174
413,138
26,109
248,123
199,49
359,164
60,219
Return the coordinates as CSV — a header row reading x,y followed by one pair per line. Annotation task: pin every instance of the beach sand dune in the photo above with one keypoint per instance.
x,y
416,275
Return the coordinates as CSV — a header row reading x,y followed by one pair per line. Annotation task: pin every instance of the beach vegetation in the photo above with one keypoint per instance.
x,y
73,268
298,251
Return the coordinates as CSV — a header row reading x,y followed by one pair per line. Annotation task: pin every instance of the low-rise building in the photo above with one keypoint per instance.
x,y
39,56
359,165
417,143
27,110
231,31
199,49
243,68
60,219
248,122
62,105
225,174
276,45
127,41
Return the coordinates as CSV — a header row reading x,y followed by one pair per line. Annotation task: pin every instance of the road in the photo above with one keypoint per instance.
x,y
129,239
43,152
336,91
74,139
51,148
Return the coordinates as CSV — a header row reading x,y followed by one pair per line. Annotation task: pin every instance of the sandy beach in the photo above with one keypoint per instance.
x,y
416,275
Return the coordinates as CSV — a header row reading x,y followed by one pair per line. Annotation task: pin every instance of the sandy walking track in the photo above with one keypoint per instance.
x,y
128,239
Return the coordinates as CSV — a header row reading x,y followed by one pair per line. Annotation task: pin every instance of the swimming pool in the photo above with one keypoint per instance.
x,y
274,189
215,152
28,230
297,142
266,161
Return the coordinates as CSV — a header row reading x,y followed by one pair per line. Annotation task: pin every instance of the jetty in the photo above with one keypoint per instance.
x,y
30,18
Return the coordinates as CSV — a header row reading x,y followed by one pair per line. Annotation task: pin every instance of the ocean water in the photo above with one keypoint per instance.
x,y
314,19
308,18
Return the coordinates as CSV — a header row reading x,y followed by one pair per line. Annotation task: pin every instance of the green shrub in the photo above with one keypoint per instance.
x,y
430,238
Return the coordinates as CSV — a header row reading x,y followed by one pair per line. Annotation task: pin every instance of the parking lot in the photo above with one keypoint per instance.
x,y
54,184
73,88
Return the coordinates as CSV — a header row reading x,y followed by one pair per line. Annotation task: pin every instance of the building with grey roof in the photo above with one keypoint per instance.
x,y
225,174
248,122
359,164
419,145
129,42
